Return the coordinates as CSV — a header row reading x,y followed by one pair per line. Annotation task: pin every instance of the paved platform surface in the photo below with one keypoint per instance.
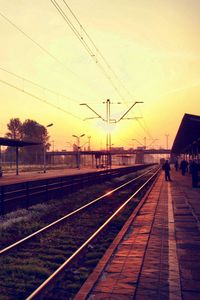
x,y
26,176
158,256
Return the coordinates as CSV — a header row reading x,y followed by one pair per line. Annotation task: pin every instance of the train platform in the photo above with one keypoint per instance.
x,y
156,255
12,178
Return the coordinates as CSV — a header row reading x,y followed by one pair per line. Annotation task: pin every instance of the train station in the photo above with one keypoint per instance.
x,y
100,150
155,255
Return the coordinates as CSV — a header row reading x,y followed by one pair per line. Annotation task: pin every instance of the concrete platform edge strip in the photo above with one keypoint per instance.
x,y
172,254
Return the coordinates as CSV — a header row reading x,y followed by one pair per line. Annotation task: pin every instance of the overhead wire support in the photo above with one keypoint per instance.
x,y
122,117
108,120
93,111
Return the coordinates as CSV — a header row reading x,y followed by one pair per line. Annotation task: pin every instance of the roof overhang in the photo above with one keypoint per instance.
x,y
16,143
188,134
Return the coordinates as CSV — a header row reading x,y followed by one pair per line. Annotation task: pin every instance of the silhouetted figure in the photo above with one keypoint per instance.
x,y
166,168
176,165
194,169
183,166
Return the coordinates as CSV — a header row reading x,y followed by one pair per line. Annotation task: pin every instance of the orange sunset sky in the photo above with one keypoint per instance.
x,y
152,46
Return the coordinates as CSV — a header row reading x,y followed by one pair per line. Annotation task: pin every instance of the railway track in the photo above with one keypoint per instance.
x,y
44,254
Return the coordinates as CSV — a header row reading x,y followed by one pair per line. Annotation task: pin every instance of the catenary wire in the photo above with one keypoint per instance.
x,y
39,98
81,39
38,85
86,46
44,49
97,50
58,61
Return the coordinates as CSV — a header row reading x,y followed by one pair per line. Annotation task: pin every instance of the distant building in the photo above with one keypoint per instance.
x,y
117,149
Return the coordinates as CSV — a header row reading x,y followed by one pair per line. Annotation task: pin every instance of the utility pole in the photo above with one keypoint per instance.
x,y
78,158
89,138
0,162
108,134
44,151
145,142
167,137
53,149
108,120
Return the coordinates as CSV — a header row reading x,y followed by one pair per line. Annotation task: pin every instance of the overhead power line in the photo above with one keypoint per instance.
x,y
98,51
88,48
43,49
111,75
33,41
39,98
37,85
144,126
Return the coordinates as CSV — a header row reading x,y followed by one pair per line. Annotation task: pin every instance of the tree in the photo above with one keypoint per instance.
x,y
30,131
34,132
15,129
15,132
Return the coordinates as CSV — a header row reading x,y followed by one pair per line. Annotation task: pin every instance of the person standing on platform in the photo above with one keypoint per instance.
x,y
176,165
194,169
183,167
166,168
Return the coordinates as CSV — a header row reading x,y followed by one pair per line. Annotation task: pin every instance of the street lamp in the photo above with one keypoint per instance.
x,y
78,148
44,150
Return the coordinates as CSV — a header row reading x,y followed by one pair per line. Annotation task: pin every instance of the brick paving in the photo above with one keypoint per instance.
x,y
157,255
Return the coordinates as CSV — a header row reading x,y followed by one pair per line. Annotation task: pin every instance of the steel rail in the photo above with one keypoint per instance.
x,y
34,234
61,268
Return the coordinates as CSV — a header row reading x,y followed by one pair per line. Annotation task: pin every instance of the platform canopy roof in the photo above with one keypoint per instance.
x,y
188,134
16,143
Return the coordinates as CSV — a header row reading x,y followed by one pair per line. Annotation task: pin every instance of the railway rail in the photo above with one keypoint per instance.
x,y
93,217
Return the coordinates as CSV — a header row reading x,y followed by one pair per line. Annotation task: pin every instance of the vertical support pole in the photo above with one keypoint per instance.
x,y
145,142
27,195
0,162
79,158
2,201
44,158
47,190
108,135
78,152
17,160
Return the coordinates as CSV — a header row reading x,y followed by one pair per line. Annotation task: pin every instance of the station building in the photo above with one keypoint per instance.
x,y
187,141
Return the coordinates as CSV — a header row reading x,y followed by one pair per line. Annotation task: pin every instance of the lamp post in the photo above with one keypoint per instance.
x,y
0,162
44,150
53,149
78,148
167,138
